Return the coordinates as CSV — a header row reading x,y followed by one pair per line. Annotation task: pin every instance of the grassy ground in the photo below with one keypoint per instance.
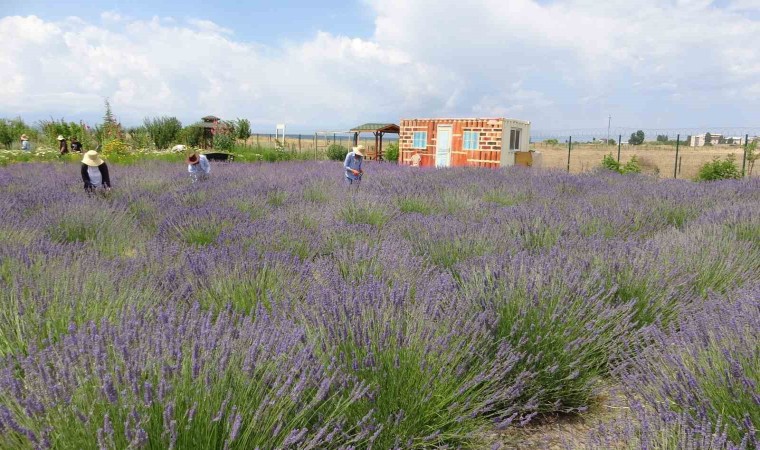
x,y
653,158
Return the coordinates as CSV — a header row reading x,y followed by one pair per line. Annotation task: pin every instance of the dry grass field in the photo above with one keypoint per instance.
x,y
652,158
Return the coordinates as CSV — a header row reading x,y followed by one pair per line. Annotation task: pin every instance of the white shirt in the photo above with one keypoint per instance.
x,y
95,178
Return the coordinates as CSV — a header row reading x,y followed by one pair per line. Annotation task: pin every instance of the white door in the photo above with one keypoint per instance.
x,y
443,146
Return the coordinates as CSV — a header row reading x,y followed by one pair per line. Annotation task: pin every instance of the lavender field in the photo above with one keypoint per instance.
x,y
271,307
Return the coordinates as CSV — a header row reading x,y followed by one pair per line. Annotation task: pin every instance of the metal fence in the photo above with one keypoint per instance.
x,y
664,156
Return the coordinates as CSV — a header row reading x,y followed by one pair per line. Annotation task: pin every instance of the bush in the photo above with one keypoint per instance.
x,y
720,170
116,147
164,130
52,128
391,153
632,166
610,163
224,141
337,152
139,137
551,142
192,135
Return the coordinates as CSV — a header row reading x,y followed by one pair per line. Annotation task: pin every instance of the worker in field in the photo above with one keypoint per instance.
x,y
25,146
198,167
63,147
95,173
416,159
76,146
353,165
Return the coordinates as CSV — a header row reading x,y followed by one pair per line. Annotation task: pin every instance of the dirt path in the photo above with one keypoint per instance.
x,y
562,432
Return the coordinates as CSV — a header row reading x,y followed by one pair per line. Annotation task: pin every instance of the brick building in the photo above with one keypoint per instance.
x,y
463,142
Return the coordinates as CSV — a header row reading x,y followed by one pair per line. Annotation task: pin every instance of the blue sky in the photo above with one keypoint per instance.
x,y
562,64
269,21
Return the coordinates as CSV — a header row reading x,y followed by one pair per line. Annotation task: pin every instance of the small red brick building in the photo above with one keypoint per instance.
x,y
463,142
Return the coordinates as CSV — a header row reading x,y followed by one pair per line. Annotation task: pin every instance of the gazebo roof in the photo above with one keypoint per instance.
x,y
375,127
210,118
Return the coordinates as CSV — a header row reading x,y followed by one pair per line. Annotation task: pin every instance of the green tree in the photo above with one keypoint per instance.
x,y
110,129
337,152
6,134
551,142
243,129
192,135
163,130
391,153
708,139
752,156
662,138
636,138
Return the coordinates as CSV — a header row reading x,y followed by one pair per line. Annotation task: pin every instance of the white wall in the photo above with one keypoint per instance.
x,y
507,156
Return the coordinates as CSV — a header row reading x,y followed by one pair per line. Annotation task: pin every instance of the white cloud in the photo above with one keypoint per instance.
x,y
559,64
158,67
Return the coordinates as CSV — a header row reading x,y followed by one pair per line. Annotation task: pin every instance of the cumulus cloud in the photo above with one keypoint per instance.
x,y
560,64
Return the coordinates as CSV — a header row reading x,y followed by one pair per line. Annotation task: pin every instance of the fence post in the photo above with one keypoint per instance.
x,y
744,158
675,168
620,142
315,146
257,139
680,163
569,147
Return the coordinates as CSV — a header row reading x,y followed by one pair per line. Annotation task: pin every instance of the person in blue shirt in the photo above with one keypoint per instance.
x,y
198,166
25,143
353,165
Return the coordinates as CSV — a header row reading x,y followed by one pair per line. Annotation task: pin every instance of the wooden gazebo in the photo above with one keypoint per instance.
x,y
211,125
377,130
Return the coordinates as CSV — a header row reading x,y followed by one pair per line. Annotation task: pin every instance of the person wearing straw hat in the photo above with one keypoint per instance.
x,y
25,146
198,166
353,165
63,147
94,172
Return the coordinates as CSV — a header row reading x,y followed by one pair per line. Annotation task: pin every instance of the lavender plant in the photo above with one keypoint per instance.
x,y
417,311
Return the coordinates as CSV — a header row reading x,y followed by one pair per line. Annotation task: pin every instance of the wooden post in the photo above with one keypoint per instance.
x,y
620,141
569,147
675,169
299,143
744,158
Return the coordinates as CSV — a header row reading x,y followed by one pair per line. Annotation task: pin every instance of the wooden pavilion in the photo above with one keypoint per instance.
x,y
377,130
211,125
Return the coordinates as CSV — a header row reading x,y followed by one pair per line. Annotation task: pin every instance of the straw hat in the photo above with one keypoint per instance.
x,y
359,150
193,158
92,159
24,138
60,137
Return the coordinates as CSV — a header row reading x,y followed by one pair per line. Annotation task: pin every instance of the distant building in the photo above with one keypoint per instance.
x,y
699,140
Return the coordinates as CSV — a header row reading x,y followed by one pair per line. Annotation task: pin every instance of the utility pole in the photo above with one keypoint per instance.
x,y
609,122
